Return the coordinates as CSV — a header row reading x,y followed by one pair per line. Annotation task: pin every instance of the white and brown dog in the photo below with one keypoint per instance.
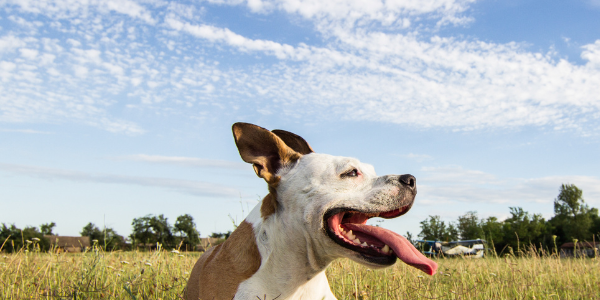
x,y
316,211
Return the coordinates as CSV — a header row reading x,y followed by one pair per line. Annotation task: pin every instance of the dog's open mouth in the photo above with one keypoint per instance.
x,y
348,228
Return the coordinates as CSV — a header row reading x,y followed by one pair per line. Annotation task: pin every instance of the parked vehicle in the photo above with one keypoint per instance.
x,y
467,248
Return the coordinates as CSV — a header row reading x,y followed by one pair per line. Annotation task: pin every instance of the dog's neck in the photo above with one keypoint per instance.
x,y
291,267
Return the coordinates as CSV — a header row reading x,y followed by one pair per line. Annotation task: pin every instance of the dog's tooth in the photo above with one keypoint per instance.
x,y
364,244
386,249
350,232
351,236
356,240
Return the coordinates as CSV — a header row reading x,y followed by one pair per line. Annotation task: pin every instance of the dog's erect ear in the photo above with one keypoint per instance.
x,y
263,149
293,141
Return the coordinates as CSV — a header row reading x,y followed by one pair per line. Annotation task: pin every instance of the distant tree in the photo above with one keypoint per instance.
x,y
595,230
92,231
493,233
46,229
469,226
162,230
522,229
220,235
107,238
410,238
152,229
451,233
573,218
142,230
15,239
434,228
188,234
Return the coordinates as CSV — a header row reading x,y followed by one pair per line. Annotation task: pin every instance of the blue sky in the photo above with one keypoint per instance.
x,y
111,110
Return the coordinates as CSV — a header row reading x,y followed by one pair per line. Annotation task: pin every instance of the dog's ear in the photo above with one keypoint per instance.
x,y
263,149
294,141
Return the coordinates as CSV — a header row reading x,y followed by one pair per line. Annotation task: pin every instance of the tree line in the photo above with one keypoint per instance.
x,y
573,220
147,231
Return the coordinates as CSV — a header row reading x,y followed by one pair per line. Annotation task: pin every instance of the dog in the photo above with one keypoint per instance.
x,y
315,212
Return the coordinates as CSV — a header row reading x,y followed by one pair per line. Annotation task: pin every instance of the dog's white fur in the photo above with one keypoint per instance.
x,y
294,248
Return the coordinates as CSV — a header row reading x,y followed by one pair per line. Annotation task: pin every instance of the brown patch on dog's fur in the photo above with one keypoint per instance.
x,y
221,269
269,205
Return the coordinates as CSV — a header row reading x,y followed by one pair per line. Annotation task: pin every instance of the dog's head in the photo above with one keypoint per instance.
x,y
328,199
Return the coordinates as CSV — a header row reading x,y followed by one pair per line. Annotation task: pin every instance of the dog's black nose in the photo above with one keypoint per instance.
x,y
408,181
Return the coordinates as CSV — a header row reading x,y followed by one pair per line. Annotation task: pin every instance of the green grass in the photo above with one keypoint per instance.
x,y
163,275
459,278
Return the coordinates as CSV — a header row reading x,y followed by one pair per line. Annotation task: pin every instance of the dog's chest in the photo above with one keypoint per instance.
x,y
272,287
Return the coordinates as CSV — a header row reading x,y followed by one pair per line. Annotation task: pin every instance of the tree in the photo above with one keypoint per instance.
x,y
162,230
46,229
107,238
493,233
410,238
573,219
221,235
152,229
142,230
469,227
16,238
521,228
435,229
595,230
184,225
451,233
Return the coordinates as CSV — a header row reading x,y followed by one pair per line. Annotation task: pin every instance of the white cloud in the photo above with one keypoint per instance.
x,y
387,13
127,7
442,82
63,9
214,34
591,53
9,43
29,131
196,188
30,54
360,73
187,161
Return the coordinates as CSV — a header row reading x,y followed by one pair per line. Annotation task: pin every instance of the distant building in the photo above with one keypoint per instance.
x,y
583,249
69,243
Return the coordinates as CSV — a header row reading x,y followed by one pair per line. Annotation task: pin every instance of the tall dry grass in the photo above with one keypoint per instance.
x,y
162,275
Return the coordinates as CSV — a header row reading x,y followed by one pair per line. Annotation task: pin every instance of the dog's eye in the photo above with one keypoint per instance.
x,y
352,173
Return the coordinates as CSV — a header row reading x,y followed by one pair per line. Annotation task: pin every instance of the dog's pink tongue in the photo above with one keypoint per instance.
x,y
401,246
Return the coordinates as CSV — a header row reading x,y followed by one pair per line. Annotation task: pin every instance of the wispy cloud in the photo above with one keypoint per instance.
x,y
28,131
101,62
454,183
63,9
196,188
394,13
186,161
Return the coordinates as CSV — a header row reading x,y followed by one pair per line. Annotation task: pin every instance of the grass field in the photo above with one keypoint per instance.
x,y
163,275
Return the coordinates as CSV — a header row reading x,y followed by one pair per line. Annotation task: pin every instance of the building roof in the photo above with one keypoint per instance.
x,y
69,241
581,245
